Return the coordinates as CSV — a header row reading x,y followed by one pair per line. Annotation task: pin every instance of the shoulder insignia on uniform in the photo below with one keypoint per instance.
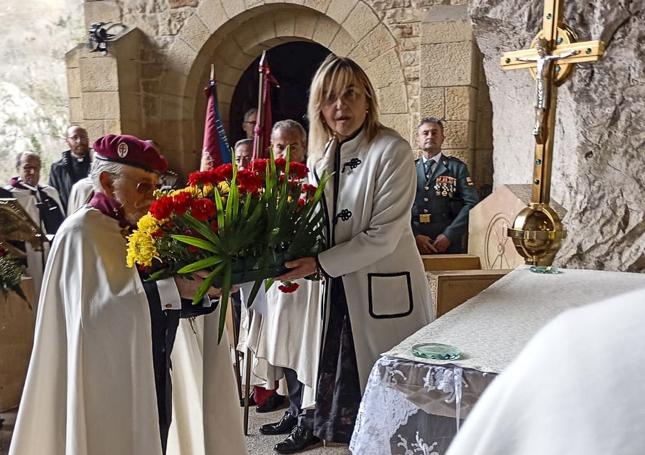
x,y
469,181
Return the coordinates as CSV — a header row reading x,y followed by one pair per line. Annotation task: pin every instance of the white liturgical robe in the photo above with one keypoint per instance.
x,y
576,389
90,387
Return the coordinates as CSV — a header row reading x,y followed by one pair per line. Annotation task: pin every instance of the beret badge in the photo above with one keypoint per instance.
x,y
122,150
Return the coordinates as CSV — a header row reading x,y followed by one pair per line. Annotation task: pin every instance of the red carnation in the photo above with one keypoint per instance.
x,y
182,201
202,209
161,208
248,181
308,188
259,166
223,172
280,163
301,202
298,170
288,287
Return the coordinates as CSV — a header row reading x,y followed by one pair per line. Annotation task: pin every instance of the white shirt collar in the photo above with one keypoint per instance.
x,y
435,158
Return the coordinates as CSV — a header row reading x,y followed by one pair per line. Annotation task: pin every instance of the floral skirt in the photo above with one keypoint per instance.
x,y
339,392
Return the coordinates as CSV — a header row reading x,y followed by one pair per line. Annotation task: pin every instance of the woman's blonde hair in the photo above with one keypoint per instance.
x,y
334,76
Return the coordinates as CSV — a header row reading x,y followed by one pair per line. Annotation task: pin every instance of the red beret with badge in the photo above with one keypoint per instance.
x,y
130,150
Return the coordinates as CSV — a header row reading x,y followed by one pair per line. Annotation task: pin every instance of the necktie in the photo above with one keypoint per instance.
x,y
428,167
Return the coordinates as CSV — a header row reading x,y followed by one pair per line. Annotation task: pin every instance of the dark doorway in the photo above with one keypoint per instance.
x,y
293,65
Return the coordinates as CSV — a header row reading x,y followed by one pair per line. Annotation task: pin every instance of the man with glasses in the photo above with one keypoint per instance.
x,y
73,166
99,372
243,153
248,124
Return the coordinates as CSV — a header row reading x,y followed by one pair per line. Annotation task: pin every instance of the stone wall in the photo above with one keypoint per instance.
x,y
599,166
33,91
182,37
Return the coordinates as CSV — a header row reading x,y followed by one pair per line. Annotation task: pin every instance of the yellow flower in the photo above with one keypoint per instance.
x,y
149,224
141,249
223,188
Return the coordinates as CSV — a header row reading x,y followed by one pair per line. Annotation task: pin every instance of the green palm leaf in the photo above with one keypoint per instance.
x,y
194,241
200,265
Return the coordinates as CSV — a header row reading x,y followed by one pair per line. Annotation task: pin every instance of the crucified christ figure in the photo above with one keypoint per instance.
x,y
543,63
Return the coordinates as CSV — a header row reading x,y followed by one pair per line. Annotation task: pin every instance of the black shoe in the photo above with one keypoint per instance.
x,y
284,426
299,440
273,403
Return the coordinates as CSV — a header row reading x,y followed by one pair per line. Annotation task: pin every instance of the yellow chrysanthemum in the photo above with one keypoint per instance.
x,y
149,224
141,249
223,188
207,190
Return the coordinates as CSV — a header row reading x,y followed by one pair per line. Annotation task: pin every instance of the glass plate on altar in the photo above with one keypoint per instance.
x,y
436,351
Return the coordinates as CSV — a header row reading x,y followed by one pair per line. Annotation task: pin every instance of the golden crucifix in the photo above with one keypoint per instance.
x,y
537,230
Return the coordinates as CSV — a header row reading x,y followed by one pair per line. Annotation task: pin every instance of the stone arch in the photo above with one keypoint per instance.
x,y
231,34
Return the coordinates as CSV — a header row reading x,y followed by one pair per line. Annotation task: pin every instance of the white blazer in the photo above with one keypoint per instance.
x,y
371,245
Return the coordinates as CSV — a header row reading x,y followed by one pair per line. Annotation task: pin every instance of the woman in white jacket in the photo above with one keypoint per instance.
x,y
376,293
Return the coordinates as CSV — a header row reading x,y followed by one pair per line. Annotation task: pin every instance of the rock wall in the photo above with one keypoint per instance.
x,y
33,90
599,165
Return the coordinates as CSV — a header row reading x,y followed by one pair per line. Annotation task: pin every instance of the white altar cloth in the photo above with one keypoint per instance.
x,y
408,399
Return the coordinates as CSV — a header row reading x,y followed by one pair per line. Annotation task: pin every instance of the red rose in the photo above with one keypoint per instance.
x,y
288,286
202,209
182,201
301,202
161,208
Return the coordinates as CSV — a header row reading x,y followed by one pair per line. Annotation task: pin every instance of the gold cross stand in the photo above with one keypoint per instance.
x,y
537,230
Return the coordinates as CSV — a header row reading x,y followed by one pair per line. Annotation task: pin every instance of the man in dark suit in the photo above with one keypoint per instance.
x,y
445,195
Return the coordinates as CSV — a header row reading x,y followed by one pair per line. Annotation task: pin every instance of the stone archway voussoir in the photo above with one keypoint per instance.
x,y
318,5
342,44
360,21
326,30
195,33
233,7
338,10
305,25
212,14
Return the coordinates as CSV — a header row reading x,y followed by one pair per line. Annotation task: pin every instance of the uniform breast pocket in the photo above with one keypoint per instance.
x,y
389,294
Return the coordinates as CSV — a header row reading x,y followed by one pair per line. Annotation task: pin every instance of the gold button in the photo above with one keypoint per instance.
x,y
425,199
168,305
425,210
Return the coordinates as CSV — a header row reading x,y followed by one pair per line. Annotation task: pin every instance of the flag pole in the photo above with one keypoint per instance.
x,y
258,140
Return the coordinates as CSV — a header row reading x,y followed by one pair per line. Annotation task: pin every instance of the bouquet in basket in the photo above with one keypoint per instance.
x,y
238,226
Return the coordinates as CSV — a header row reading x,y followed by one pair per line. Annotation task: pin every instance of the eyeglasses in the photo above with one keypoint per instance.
x,y
143,187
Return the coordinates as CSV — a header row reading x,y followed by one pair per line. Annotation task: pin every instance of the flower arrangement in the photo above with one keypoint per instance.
x,y
239,226
10,273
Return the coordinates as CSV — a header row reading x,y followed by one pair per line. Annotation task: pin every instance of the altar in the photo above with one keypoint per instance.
x,y
414,405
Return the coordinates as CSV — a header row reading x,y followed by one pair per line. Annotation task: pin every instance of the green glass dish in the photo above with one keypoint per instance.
x,y
436,351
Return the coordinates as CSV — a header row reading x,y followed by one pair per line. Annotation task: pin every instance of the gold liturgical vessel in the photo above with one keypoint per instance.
x,y
537,230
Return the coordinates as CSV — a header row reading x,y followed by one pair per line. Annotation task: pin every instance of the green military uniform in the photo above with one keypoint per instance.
x,y
444,197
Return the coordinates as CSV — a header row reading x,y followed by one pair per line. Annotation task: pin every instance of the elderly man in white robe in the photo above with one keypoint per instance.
x,y
97,380
288,336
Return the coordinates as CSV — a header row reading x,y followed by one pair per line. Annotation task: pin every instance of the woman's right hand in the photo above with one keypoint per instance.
x,y
299,268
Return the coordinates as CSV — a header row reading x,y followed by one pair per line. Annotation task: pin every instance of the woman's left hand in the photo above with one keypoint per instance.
x,y
299,268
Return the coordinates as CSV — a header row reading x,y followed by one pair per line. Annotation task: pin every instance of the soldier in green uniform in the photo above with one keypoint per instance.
x,y
445,195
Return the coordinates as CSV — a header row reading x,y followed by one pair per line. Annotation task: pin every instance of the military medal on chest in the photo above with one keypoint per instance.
x,y
445,185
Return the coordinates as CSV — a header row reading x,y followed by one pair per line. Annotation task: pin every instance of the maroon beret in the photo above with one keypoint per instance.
x,y
130,150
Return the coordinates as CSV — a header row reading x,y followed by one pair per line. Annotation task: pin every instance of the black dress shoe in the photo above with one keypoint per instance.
x,y
273,403
299,440
284,426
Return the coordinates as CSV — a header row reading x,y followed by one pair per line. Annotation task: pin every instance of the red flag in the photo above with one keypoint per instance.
x,y
216,150
264,122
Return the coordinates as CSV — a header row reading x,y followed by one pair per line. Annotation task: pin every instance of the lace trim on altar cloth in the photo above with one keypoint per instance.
x,y
385,407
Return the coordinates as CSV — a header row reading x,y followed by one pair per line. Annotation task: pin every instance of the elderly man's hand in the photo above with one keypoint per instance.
x,y
188,288
442,243
424,244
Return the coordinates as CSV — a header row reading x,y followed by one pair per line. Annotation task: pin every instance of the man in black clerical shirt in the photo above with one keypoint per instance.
x,y
73,166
